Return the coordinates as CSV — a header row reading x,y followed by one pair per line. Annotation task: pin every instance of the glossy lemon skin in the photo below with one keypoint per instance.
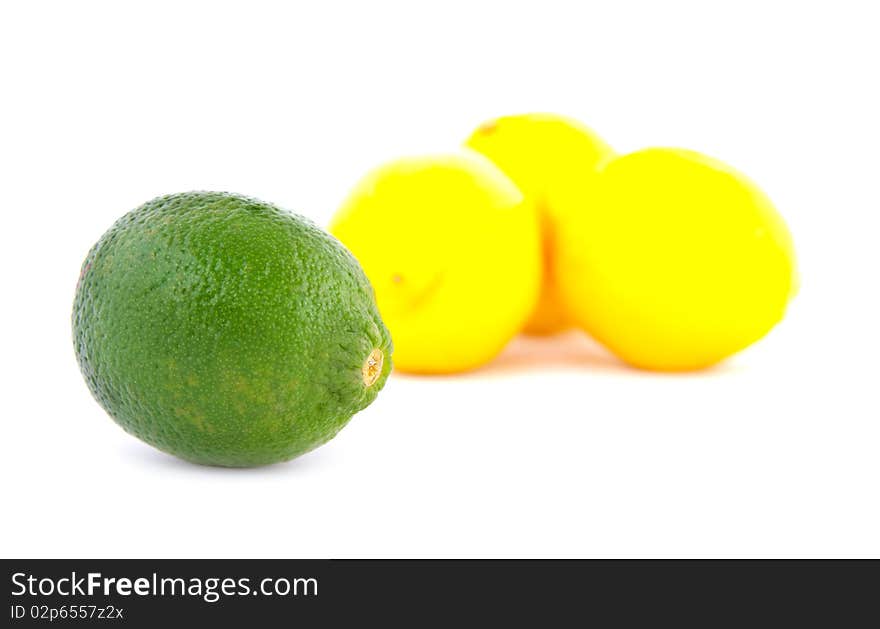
x,y
676,262
545,155
453,252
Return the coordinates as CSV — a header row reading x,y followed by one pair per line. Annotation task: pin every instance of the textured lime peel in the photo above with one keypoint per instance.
x,y
372,368
226,331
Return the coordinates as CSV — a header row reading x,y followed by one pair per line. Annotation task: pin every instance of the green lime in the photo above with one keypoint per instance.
x,y
226,331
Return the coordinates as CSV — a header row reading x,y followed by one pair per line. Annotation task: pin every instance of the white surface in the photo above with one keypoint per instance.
x,y
553,451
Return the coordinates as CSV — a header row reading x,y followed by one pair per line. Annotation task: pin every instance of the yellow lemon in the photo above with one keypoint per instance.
x,y
544,155
677,260
453,252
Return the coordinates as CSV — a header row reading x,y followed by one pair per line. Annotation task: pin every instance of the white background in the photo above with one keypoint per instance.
x,y
555,450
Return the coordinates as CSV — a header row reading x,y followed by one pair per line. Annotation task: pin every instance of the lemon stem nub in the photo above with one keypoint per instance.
x,y
372,368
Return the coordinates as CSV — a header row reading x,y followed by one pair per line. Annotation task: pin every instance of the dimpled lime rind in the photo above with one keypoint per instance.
x,y
225,330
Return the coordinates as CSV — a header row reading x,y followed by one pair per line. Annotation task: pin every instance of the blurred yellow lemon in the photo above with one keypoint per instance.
x,y
453,252
676,260
544,155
